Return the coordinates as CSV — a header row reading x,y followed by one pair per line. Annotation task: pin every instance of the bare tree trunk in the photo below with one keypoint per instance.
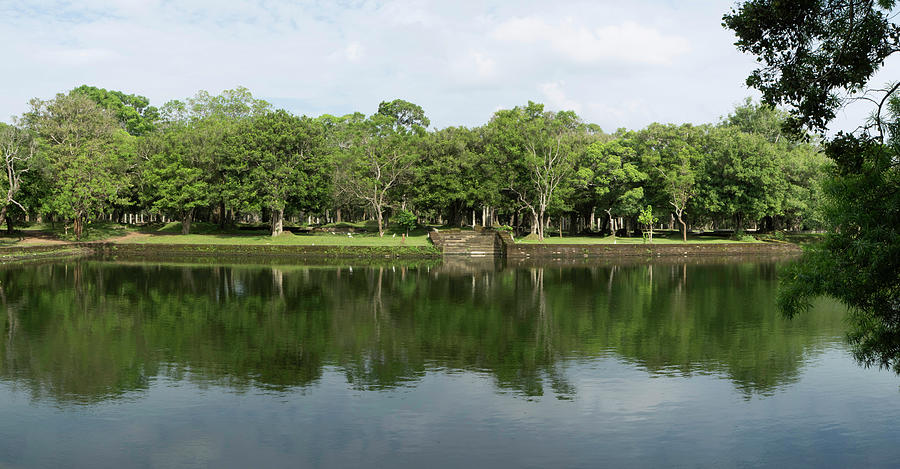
x,y
379,217
277,222
186,222
78,226
337,216
541,225
683,227
3,215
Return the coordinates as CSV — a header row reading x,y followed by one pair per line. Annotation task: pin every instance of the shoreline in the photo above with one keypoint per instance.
x,y
514,252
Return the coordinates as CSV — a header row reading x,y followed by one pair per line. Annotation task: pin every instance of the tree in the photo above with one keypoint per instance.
x,y
815,54
284,161
17,152
381,153
406,220
174,174
213,120
134,112
610,171
454,174
672,154
740,175
87,155
647,219
539,147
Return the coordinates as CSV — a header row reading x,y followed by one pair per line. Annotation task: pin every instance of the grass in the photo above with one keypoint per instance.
x,y
662,239
211,234
206,233
95,231
288,239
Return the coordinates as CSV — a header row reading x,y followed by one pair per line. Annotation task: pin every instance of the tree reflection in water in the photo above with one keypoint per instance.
x,y
85,331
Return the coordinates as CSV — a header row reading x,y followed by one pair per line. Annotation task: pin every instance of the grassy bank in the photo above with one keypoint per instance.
x,y
286,239
34,253
618,240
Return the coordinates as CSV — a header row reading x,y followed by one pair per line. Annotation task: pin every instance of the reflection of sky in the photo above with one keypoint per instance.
x,y
836,414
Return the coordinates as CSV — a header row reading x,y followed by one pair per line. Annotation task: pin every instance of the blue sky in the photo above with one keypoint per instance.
x,y
617,63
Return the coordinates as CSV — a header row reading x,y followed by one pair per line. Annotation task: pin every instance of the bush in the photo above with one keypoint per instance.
x,y
741,235
406,220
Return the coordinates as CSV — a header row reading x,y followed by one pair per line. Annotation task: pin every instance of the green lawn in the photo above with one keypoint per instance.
x,y
614,240
287,239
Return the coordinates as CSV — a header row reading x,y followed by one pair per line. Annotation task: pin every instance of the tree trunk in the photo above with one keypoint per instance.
x,y
222,214
78,226
3,215
186,222
380,219
541,225
683,228
337,216
277,222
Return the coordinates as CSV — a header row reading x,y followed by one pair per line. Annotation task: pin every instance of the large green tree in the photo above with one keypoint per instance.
x,y
174,173
610,171
285,162
212,121
540,149
671,155
88,155
134,112
379,153
814,54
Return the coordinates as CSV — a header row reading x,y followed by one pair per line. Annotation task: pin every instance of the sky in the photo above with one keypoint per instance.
x,y
624,63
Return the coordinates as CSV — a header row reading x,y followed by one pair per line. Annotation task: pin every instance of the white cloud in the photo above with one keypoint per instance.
x,y
627,42
556,98
457,59
353,51
77,56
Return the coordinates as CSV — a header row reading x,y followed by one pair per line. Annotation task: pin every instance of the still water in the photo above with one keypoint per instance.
x,y
113,364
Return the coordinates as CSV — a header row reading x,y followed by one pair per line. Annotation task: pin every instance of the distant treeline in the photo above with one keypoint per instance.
x,y
92,154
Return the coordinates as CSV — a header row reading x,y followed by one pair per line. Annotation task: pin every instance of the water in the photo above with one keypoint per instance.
x,y
106,364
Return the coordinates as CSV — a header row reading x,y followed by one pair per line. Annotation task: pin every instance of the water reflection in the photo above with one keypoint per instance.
x,y
86,331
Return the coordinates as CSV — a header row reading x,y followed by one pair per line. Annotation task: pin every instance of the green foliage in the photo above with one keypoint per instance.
x,y
646,218
280,162
406,220
228,158
539,150
134,112
858,262
796,40
87,156
175,174
611,173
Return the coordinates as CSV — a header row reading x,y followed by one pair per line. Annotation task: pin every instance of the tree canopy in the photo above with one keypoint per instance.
x,y
814,56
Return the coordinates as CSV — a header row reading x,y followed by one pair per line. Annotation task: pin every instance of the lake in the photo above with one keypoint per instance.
x,y
676,363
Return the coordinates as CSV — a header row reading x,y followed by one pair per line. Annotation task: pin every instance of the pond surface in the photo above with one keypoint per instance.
x,y
106,364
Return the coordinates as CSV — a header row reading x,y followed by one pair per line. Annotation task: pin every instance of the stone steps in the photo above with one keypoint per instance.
x,y
468,243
